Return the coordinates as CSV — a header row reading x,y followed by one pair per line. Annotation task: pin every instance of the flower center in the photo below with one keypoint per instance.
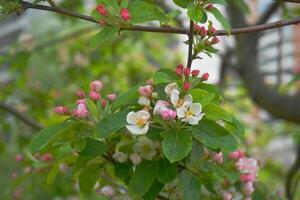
x,y
189,113
141,122
180,103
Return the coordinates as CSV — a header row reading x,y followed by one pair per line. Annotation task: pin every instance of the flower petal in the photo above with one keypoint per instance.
x,y
144,101
131,117
188,98
196,108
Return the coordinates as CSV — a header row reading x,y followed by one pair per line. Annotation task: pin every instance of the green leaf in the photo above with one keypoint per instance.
x,y
175,145
104,35
173,14
142,12
202,96
123,171
166,171
223,2
215,112
93,148
44,137
110,124
164,76
182,3
114,5
194,12
126,98
219,16
190,185
214,136
155,189
142,178
88,177
294,79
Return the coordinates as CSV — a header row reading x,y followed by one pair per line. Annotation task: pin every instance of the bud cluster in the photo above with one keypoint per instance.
x,y
107,15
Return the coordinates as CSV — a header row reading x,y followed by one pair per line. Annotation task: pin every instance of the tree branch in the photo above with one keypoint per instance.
x,y
27,120
236,31
191,40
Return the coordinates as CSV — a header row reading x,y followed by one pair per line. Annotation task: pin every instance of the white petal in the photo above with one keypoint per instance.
x,y
170,87
188,98
191,120
181,112
175,97
131,117
143,114
144,101
138,131
196,108
159,107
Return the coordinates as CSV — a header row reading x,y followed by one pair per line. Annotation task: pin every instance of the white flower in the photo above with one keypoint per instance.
x,y
138,122
120,157
190,113
145,148
135,158
144,101
177,102
171,88
160,106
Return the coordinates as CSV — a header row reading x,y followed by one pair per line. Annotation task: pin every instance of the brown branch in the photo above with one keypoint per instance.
x,y
27,120
290,1
191,41
236,31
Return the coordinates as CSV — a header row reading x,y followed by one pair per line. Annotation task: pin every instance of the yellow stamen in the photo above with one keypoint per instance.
x,y
141,122
189,113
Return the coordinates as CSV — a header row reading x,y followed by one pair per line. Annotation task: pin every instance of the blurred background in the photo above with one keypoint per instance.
x,y
45,58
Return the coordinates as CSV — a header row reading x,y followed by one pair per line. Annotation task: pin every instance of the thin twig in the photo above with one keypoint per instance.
x,y
250,29
27,120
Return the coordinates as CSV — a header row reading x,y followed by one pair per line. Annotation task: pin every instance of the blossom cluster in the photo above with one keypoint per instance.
x,y
81,110
177,108
248,169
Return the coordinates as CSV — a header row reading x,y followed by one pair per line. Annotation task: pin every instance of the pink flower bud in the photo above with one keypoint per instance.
x,y
236,155
81,111
102,10
296,70
210,6
146,91
150,82
247,178
27,170
168,114
186,86
212,31
61,110
203,32
215,40
227,196
96,86
94,96
195,73
187,72
111,97
47,157
217,157
81,101
205,77
248,188
19,158
80,94
179,72
103,103
125,14
196,27
180,66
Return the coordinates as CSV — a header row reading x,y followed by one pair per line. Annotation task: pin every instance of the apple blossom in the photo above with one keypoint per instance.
x,y
186,86
195,73
81,111
125,14
168,114
145,148
179,71
107,191
190,113
120,157
144,101
96,86
102,10
187,72
103,103
112,97
135,158
160,106
215,40
248,188
217,157
47,157
171,88
247,165
19,158
146,91
247,178
138,122
227,196
205,77
80,94
61,110
236,155
81,101
94,96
